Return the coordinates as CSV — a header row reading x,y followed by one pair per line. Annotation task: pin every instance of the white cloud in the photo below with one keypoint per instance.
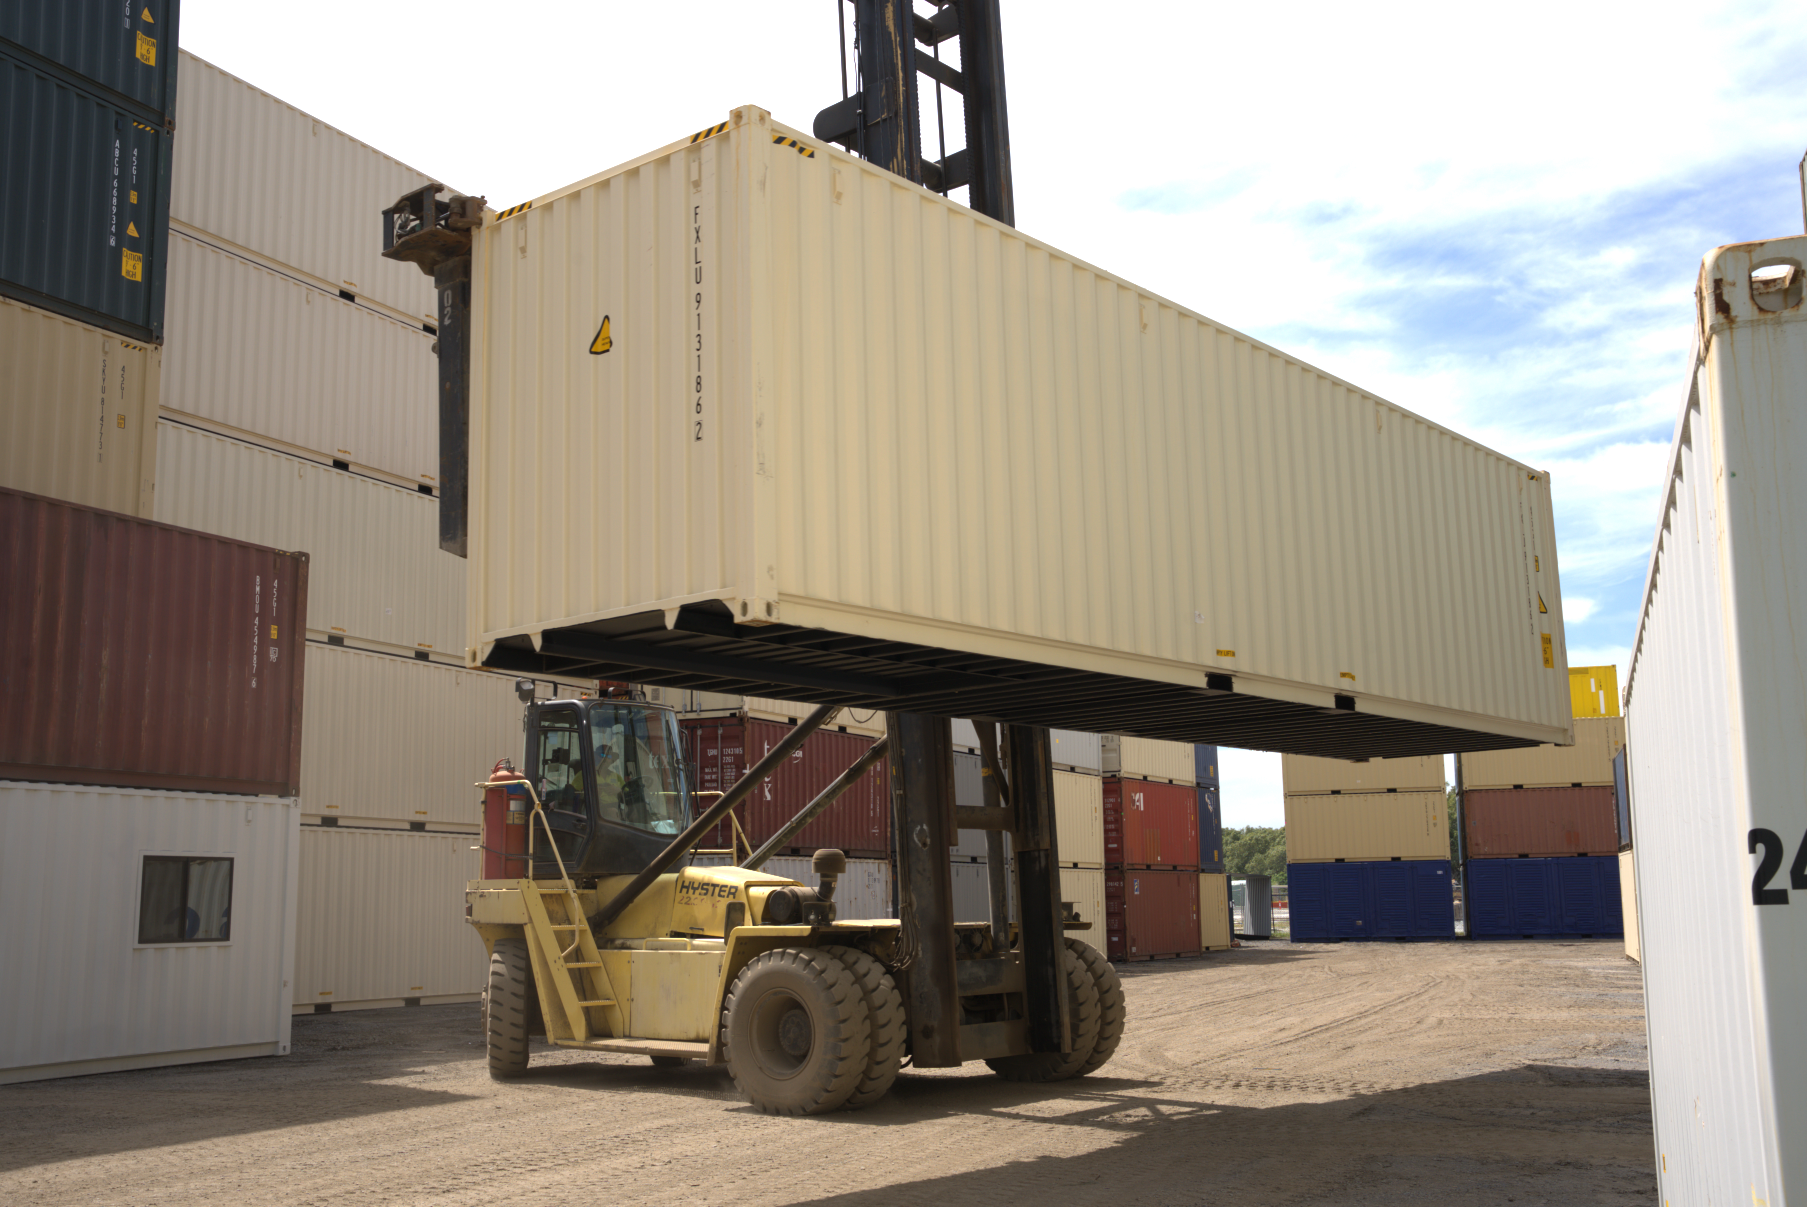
x,y
1576,609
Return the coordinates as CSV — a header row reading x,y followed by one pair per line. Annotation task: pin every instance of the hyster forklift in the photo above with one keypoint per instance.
x,y
601,938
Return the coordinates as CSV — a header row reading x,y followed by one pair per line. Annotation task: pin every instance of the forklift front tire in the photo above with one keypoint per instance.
x,y
505,1008
1082,1008
796,1032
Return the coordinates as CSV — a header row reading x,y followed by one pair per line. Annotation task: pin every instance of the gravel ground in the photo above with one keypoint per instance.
x,y
1379,1073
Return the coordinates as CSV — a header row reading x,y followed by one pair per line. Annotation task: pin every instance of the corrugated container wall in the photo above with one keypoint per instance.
x,y
1588,761
261,351
1150,913
1302,775
269,179
1084,887
84,185
1628,904
1716,703
133,58
83,995
80,417
1210,830
858,823
1507,822
1150,824
1192,501
378,571
1204,762
1514,898
1215,929
145,656
1367,826
382,918
1072,750
1406,899
1149,759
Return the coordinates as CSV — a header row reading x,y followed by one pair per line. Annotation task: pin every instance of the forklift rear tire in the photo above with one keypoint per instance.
x,y
796,1032
1082,1008
505,1007
885,1009
1111,1008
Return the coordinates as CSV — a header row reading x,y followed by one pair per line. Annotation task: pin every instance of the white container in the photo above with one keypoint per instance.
x,y
972,892
1303,775
1628,903
382,919
1716,705
376,569
78,411
387,737
1598,741
1084,887
1149,759
83,995
262,175
864,891
1368,825
266,353
1164,498
1076,751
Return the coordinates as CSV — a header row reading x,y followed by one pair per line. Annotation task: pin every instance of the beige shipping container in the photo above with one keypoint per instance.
x,y
267,178
1598,741
266,353
386,737
78,411
1303,775
376,569
1370,825
813,375
1079,819
1084,887
1214,924
381,919
1148,759
1628,904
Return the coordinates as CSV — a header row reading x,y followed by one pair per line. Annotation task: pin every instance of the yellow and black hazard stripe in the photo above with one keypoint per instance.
x,y
142,126
799,148
512,210
711,132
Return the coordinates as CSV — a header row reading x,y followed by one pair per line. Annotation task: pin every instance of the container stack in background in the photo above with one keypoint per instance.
x,y
1628,875
1540,830
1151,848
1215,931
1367,849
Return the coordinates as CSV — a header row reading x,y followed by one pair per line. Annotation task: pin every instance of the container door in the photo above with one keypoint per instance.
x,y
1532,890
1433,906
1489,897
1612,905
1348,901
1307,888
1392,899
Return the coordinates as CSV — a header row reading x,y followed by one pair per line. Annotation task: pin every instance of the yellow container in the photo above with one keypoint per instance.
x,y
1213,911
1594,691
1598,741
1084,887
1369,825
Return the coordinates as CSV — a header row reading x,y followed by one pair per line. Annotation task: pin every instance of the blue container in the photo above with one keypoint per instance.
x,y
1210,831
1522,898
1395,899
1204,762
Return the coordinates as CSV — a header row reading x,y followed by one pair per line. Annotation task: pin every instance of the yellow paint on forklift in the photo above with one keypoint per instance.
x,y
672,994
703,895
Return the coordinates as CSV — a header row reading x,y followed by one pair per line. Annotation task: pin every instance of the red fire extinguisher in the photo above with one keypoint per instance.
x,y
505,806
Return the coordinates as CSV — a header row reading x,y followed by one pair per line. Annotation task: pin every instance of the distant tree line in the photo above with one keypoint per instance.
x,y
1256,850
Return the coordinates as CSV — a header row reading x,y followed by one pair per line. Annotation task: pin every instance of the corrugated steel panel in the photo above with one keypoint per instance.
x,y
82,993
1302,775
263,175
1621,780
389,737
1397,899
80,420
1150,912
1507,822
1204,763
1210,830
378,572
1149,824
271,355
1084,887
859,822
129,49
1594,691
1192,500
1367,826
1078,814
84,185
381,917
1149,759
1588,761
1716,703
1215,930
1628,904
1072,750
140,655
1510,898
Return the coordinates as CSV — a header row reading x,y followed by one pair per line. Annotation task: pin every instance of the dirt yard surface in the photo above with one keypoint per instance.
x,y
1373,1073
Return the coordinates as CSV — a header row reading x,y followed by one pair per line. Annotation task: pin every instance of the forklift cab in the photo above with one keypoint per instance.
x,y
610,774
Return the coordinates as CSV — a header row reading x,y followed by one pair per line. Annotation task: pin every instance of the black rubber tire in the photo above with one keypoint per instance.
x,y
668,1062
505,1007
795,1032
1111,1008
889,1027
1082,1006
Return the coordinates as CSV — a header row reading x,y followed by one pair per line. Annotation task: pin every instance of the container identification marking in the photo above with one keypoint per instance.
x,y
131,264
696,265
1226,653
147,50
1549,657
602,343
1773,851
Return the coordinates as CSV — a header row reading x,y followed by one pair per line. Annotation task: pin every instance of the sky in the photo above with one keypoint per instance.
x,y
1492,217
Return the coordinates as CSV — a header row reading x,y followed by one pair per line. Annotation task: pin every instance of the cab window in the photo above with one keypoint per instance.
x,y
639,780
561,763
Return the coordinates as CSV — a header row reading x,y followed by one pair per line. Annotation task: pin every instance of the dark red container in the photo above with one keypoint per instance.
x,y
859,823
1507,822
1150,913
1149,824
142,655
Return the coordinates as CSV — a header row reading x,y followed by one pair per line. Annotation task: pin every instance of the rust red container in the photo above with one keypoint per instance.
x,y
1149,824
1507,822
142,655
859,823
1150,913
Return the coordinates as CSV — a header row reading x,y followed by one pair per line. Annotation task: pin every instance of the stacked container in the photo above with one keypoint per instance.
x,y
1541,806
1367,849
1152,848
1214,923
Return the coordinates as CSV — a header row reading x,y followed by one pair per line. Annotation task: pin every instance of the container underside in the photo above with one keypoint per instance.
x,y
706,651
